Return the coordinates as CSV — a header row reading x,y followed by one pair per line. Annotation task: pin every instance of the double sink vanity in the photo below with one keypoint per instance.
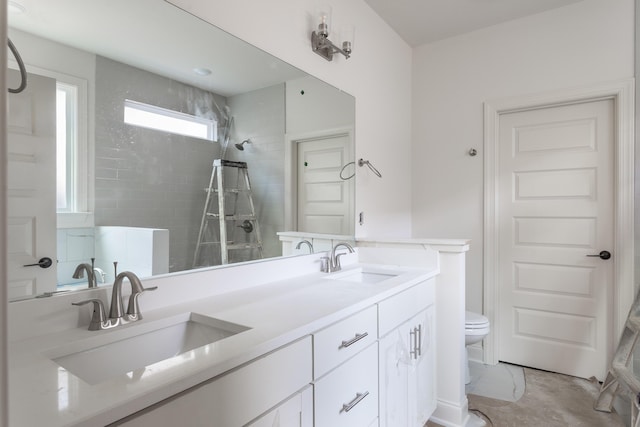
x,y
273,343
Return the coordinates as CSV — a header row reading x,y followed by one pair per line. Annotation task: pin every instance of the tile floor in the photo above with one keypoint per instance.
x,y
501,381
511,396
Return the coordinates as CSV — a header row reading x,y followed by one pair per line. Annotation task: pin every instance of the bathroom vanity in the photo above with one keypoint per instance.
x,y
297,347
328,377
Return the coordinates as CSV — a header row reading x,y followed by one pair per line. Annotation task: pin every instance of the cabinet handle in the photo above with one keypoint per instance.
x,y
346,407
419,346
353,340
413,343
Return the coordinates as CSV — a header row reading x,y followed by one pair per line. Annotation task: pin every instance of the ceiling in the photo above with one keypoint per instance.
x,y
155,36
425,21
174,43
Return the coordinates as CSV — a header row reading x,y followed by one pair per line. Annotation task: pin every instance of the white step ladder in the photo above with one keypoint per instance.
x,y
239,212
620,377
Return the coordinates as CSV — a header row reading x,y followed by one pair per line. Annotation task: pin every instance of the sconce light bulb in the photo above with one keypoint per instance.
x,y
324,21
323,29
346,46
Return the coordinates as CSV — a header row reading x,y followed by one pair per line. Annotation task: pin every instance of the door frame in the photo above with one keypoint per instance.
x,y
291,142
622,94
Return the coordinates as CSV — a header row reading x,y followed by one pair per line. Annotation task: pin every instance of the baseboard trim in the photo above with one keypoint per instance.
x,y
449,414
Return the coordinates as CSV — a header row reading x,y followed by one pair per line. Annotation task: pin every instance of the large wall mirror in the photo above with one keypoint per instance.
x,y
112,146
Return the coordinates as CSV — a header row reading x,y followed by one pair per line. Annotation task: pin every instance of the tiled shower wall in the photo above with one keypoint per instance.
x,y
260,117
146,178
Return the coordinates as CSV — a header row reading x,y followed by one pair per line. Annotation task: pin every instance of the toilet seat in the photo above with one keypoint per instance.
x,y
476,324
475,321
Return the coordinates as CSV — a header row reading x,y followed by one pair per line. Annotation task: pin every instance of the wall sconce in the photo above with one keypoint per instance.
x,y
324,47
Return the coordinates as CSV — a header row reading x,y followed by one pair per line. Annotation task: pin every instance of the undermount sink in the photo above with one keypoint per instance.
x,y
360,275
119,352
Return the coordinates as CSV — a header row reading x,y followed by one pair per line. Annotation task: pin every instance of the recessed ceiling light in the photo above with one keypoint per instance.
x,y
15,7
202,71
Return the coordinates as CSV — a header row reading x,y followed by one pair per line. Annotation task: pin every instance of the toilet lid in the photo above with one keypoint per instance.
x,y
475,320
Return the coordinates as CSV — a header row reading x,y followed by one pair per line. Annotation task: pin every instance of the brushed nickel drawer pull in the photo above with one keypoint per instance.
x,y
419,334
353,340
346,407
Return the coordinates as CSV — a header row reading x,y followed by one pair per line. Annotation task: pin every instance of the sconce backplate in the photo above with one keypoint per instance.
x,y
319,45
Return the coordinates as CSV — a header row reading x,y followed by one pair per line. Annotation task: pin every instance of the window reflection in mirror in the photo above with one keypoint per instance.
x,y
139,193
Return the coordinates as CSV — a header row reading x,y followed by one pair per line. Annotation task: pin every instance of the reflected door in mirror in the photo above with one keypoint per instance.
x,y
31,180
324,198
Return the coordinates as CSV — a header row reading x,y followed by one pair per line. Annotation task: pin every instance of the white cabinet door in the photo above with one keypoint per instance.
x,y
422,381
407,372
394,377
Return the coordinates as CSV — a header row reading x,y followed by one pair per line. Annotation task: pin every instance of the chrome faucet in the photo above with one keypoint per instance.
x,y
91,277
117,316
98,272
333,262
306,242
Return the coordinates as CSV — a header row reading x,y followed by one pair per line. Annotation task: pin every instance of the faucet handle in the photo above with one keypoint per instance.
x,y
338,267
98,316
133,309
325,265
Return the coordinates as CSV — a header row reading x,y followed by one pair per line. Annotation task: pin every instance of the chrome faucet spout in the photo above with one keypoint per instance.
x,y
334,260
91,277
98,272
117,308
117,316
305,242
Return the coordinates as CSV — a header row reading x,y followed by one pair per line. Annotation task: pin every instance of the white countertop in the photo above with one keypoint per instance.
x,y
43,393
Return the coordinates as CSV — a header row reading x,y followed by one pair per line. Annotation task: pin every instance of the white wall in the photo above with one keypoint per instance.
x,y
577,45
378,74
314,106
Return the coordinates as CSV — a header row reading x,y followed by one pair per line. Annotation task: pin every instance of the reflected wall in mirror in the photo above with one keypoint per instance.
x,y
135,195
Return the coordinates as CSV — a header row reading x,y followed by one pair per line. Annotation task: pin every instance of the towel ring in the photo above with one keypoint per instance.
x,y
362,162
23,70
342,170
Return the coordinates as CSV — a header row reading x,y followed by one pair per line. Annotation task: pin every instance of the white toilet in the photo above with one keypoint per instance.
x,y
476,327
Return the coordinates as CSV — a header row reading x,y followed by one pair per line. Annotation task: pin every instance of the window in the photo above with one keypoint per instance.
x,y
162,119
66,147
73,144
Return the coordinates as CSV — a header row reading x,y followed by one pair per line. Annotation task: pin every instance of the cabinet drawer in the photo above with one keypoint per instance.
x,y
297,411
340,341
395,310
235,398
348,396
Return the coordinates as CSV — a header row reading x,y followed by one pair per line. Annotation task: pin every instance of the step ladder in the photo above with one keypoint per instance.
x,y
620,377
227,208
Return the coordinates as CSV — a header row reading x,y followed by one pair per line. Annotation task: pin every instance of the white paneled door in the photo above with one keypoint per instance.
x,y
556,198
31,121
325,200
